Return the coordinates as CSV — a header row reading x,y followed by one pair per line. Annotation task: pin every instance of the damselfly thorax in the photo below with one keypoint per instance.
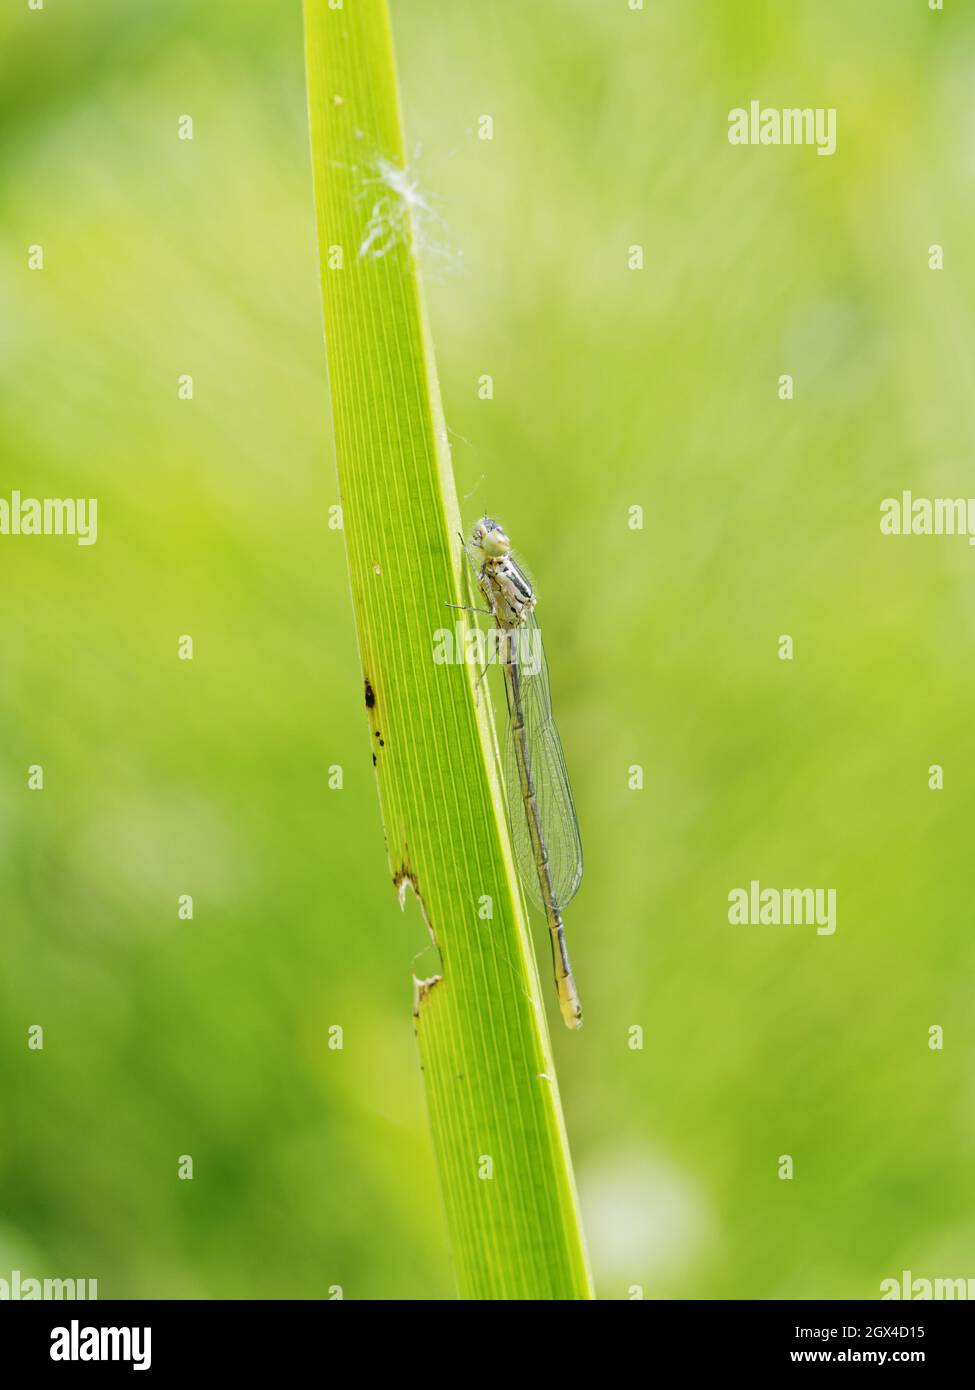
x,y
507,588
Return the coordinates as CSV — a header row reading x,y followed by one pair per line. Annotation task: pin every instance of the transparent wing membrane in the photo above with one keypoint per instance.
x,y
548,776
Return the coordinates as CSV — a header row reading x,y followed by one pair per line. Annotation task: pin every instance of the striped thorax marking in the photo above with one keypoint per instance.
x,y
510,588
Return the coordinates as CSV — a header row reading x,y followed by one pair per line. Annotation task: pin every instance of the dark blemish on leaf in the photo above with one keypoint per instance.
x,y
370,694
374,760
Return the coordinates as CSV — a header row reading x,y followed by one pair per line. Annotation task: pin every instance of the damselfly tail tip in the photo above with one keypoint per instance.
x,y
569,1002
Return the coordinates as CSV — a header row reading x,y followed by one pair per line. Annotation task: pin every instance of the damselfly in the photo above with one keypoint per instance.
x,y
541,812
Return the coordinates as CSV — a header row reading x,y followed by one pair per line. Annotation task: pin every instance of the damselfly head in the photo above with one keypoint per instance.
x,y
490,537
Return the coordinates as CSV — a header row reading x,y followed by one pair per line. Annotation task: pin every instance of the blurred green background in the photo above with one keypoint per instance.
x,y
613,388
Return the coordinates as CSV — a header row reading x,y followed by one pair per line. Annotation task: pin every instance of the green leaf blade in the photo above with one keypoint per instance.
x,y
495,1113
